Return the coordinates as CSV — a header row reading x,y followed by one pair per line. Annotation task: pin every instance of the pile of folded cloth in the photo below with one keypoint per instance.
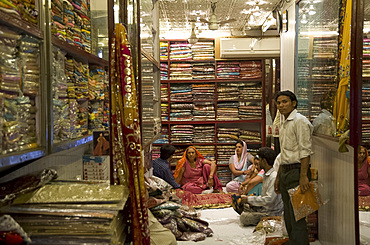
x,y
250,69
180,51
163,46
25,9
203,51
183,221
58,27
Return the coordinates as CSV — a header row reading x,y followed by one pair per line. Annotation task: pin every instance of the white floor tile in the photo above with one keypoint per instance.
x,y
226,227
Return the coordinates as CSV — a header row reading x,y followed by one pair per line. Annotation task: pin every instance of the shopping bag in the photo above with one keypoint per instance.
x,y
305,203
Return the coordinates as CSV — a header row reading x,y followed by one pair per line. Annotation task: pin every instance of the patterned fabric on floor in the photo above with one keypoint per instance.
x,y
213,200
364,203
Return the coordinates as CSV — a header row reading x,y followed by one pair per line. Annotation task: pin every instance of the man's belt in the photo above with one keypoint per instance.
x,y
287,167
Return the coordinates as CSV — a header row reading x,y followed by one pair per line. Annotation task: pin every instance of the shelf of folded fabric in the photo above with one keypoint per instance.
x,y
73,213
65,145
212,121
21,26
79,54
10,159
213,80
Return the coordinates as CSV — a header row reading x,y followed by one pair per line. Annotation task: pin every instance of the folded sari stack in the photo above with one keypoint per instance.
x,y
181,71
182,134
164,111
227,135
97,80
164,137
224,175
181,92
203,51
325,47
228,70
10,8
73,213
58,27
69,18
60,102
203,71
227,91
250,90
147,95
204,134
204,111
319,89
81,72
28,10
223,154
303,68
82,10
28,53
180,51
181,111
163,50
177,155
250,136
203,92
164,71
227,111
250,111
208,151
250,69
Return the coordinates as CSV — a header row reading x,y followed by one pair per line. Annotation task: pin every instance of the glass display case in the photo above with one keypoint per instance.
x,y
316,69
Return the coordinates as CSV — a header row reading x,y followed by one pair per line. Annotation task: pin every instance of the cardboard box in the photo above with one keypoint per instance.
x,y
96,167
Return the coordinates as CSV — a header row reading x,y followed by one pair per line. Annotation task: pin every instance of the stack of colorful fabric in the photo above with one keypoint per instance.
x,y
250,90
164,111
208,151
227,135
182,134
60,103
203,51
164,92
250,111
163,46
181,112
228,91
10,8
227,111
224,152
181,92
203,91
28,10
181,71
69,19
250,136
164,136
164,71
180,51
204,134
177,155
204,111
325,47
224,175
58,28
250,69
203,71
228,69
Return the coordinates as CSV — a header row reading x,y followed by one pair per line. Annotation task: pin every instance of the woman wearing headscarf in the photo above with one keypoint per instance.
x,y
363,172
238,164
195,173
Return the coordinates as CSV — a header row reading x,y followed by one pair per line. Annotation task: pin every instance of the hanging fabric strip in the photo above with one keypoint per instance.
x,y
341,104
126,137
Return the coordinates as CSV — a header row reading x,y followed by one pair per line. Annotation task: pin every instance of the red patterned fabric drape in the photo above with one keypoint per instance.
x,y
126,139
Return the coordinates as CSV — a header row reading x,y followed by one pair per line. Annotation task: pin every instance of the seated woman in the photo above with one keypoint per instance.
x,y
363,172
253,181
195,173
238,165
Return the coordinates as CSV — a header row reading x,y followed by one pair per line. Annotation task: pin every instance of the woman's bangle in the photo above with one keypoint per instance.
x,y
210,176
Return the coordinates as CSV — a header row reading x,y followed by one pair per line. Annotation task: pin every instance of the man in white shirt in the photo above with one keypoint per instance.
x,y
268,203
296,148
325,122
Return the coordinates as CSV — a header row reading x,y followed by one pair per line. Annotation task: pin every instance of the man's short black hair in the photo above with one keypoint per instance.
x,y
268,154
288,93
167,151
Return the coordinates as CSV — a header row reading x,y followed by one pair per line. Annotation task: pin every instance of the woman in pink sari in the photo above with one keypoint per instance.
x,y
363,172
195,173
